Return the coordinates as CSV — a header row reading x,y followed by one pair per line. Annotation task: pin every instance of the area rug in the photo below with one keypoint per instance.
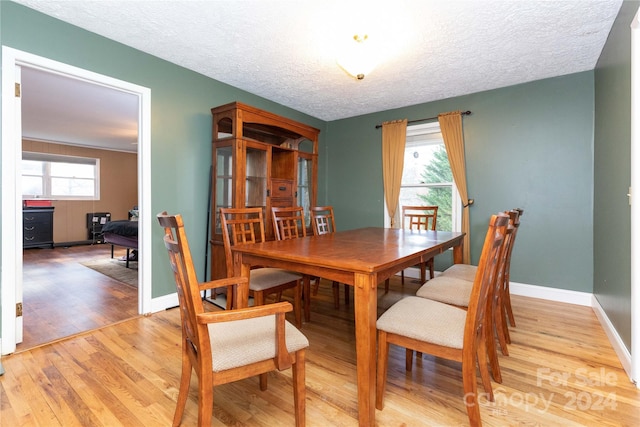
x,y
115,269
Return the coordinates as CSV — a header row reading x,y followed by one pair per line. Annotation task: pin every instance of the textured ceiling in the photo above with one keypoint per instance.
x,y
286,51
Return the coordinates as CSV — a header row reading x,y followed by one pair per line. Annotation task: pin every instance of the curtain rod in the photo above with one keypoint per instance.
x,y
463,113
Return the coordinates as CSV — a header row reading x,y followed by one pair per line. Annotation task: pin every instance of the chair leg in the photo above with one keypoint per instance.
x,y
336,294
297,304
299,388
483,366
185,380
507,304
423,272
386,286
490,348
408,362
499,326
402,277
505,325
306,296
471,393
346,294
263,381
432,272
205,398
316,285
383,356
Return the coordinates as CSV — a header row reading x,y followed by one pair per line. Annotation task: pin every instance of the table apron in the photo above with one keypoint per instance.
x,y
330,273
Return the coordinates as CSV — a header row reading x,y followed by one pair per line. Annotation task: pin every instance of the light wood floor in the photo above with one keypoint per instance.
x,y
62,297
561,371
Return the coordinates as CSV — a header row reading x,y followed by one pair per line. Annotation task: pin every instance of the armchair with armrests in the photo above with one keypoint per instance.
x,y
230,345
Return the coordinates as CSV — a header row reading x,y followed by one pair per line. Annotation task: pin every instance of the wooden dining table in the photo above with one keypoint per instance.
x,y
362,258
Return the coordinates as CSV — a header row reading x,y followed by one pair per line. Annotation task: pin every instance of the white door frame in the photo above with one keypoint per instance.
x,y
11,195
634,200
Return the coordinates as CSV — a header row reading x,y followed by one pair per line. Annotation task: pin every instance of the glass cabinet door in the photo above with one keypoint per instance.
x,y
223,182
304,187
256,180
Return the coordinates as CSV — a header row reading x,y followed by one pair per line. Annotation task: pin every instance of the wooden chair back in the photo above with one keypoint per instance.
x,y
322,220
419,217
240,226
288,222
487,273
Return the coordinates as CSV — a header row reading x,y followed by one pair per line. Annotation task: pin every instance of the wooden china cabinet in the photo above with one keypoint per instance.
x,y
262,160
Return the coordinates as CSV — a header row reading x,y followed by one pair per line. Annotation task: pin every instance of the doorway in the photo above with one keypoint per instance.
x,y
13,61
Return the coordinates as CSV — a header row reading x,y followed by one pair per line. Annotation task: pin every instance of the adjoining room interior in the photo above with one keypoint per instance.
x,y
64,292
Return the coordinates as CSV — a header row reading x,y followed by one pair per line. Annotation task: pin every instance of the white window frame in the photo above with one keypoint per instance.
x,y
47,177
456,204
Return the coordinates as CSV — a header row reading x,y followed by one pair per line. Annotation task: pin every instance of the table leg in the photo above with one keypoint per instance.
x,y
365,306
457,253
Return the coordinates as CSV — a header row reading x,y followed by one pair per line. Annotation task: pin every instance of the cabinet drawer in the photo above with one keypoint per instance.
x,y
281,188
37,219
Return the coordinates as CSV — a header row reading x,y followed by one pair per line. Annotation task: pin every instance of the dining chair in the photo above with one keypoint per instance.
x,y
323,222
467,272
289,223
445,331
418,218
456,291
228,345
246,226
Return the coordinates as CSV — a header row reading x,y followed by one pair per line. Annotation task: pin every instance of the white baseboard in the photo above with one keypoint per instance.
x,y
164,302
552,294
614,338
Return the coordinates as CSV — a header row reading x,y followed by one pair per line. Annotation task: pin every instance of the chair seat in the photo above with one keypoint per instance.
x,y
243,342
266,278
422,319
447,289
462,271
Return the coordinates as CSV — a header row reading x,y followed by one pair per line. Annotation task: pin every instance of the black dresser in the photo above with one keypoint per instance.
x,y
37,227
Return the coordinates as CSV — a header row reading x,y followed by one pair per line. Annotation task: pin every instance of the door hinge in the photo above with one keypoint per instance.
x,y
19,309
17,90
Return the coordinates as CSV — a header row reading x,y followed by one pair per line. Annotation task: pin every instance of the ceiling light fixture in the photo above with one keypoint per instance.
x,y
357,58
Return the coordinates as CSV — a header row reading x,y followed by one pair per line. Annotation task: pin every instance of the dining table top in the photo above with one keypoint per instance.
x,y
365,250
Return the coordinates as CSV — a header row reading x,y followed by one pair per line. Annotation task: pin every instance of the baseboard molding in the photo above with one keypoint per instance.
x,y
164,302
614,338
552,294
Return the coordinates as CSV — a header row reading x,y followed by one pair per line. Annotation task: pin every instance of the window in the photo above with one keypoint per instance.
x,y
427,177
52,176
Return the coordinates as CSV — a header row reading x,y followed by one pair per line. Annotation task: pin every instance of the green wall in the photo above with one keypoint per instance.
x,y
612,176
527,146
180,116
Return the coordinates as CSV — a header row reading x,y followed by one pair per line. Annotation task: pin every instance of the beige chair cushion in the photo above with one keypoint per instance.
x,y
265,278
461,271
446,289
425,320
242,342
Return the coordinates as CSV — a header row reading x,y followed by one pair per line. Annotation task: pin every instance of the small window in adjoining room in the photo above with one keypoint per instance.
x,y
60,177
427,179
